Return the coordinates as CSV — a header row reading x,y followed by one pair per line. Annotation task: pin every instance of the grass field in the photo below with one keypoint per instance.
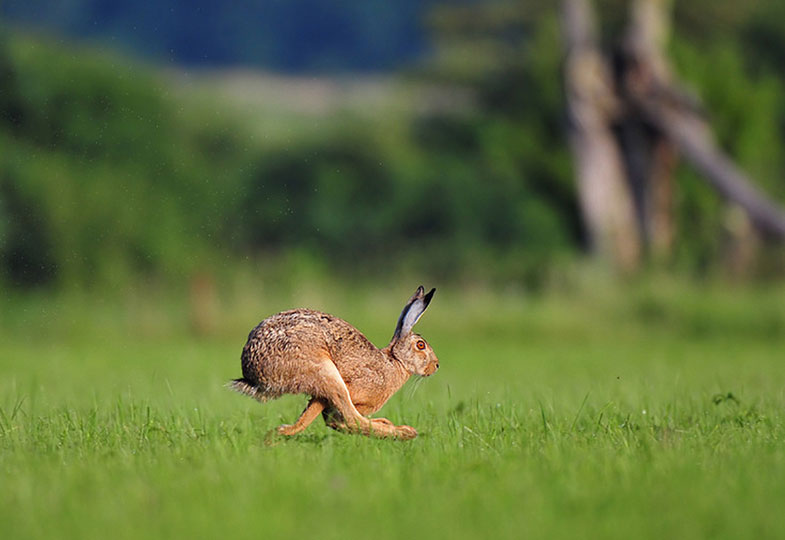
x,y
658,414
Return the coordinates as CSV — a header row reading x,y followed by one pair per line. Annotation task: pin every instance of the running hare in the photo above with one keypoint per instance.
x,y
309,352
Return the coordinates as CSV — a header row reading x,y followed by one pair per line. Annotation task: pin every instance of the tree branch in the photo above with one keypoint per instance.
x,y
694,141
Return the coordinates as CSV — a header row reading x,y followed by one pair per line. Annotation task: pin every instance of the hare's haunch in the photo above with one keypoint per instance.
x,y
309,352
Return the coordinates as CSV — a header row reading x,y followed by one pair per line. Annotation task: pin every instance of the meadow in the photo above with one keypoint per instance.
x,y
654,412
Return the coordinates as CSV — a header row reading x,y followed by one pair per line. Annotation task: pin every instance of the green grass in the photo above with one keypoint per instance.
x,y
656,415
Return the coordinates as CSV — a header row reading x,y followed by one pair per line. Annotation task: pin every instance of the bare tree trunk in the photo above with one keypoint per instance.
x,y
647,36
661,208
605,199
741,244
650,157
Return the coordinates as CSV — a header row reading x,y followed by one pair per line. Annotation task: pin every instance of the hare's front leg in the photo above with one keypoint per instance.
x,y
312,410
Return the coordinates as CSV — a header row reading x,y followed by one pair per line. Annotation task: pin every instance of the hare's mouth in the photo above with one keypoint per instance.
x,y
430,369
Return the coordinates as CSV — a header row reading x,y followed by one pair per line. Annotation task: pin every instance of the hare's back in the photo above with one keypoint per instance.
x,y
287,331
299,334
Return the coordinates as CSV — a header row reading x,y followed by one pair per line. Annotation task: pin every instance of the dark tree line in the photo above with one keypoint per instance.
x,y
294,35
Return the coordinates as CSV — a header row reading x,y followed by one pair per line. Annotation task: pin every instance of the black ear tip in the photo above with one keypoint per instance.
x,y
428,296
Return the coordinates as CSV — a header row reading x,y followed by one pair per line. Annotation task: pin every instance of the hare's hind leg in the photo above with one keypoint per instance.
x,y
352,421
335,392
380,427
312,410
401,432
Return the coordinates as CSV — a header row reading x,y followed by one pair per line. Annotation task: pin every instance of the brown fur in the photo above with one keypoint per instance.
x,y
309,352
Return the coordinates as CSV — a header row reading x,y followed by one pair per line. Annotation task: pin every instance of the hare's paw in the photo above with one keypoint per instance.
x,y
288,429
405,432
381,427
384,428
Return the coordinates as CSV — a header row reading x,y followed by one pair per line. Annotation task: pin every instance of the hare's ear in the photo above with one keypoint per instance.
x,y
412,311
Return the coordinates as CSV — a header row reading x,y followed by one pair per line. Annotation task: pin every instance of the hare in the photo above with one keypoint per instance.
x,y
309,352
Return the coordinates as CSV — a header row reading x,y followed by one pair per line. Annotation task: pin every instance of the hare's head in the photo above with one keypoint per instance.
x,y
409,348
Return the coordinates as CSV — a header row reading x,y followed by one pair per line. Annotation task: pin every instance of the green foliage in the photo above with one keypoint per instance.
x,y
111,177
110,172
513,138
103,177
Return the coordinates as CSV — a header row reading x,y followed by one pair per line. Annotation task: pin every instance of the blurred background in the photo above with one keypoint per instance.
x,y
204,149
595,188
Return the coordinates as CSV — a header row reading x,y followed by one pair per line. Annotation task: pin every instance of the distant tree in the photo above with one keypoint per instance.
x,y
628,117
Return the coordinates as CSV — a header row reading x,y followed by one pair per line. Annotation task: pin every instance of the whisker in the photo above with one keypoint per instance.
x,y
416,386
411,386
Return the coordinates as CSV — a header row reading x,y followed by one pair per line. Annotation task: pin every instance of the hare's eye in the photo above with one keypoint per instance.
x,y
420,344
